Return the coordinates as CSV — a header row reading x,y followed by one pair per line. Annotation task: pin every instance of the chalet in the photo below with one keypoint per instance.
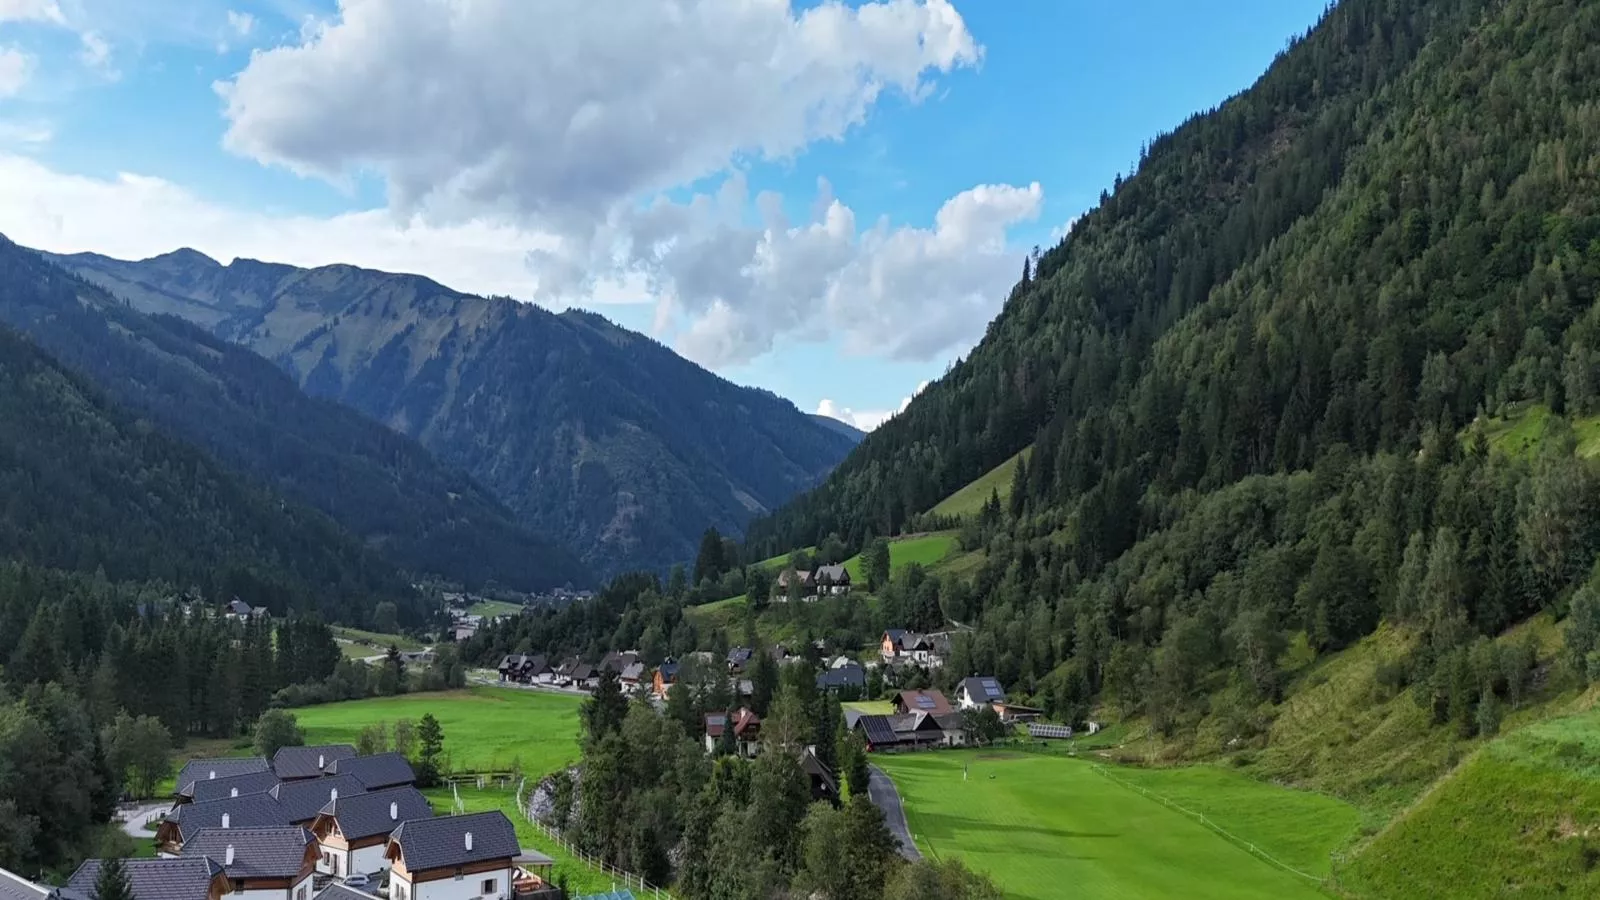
x,y
618,661
579,675
666,676
240,611
978,692
300,801
738,659
954,726
209,769
930,702
824,786
228,786
830,580
354,831
525,669
376,772
631,676
801,577
846,678
295,763
901,647
15,887
198,878
453,858
260,863
245,811
746,728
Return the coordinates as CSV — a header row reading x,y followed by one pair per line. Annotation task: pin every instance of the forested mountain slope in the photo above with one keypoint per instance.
x,y
381,486
86,487
582,428
1252,379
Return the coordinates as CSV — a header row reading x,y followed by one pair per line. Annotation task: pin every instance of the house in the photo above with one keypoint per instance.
x,y
1015,712
245,811
197,878
295,763
354,831
228,786
525,669
631,676
831,580
823,785
917,730
208,769
877,731
376,772
978,692
839,662
807,587
901,647
618,661
738,659
260,863
666,676
15,887
890,645
746,728
453,858
300,801
845,678
240,611
954,726
931,702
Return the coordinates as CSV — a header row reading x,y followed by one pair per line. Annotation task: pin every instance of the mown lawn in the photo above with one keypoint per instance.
x,y
871,707
485,729
1039,823
494,608
969,500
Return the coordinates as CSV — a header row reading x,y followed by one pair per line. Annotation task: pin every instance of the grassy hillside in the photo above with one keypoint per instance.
x,y
1522,429
926,550
969,499
1035,823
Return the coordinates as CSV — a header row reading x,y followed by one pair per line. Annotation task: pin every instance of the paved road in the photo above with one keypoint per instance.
x,y
883,793
133,821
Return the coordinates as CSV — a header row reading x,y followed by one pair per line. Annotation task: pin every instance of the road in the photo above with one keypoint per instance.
x,y
887,798
134,820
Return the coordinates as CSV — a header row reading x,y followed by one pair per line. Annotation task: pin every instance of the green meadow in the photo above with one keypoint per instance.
x,y
485,729
926,550
969,500
1045,826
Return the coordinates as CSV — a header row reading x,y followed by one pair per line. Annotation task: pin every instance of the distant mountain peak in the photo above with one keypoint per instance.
x,y
187,256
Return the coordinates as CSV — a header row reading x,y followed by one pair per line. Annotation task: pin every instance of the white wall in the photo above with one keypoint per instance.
x,y
467,887
342,868
368,860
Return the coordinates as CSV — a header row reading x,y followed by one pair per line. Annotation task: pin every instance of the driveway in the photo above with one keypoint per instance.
x,y
135,821
883,793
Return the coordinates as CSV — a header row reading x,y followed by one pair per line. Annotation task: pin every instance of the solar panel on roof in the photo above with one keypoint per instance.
x,y
925,702
878,729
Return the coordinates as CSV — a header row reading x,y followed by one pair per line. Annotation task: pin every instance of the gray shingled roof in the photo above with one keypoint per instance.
x,y
337,891
849,675
257,852
154,879
249,811
206,769
309,762
15,887
300,800
984,689
441,841
383,770
222,788
379,812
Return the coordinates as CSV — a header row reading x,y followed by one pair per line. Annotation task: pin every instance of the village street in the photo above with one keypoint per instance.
x,y
883,794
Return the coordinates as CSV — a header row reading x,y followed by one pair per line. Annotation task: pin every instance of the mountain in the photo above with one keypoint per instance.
x,y
845,428
1323,373
582,428
84,486
381,486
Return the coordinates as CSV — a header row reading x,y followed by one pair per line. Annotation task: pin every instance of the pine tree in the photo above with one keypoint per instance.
x,y
111,882
430,759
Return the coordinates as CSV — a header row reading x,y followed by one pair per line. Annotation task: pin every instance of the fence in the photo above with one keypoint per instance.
x,y
627,879
1229,836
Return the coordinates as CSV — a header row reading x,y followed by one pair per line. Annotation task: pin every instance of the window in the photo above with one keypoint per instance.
x,y
488,886
400,892
300,894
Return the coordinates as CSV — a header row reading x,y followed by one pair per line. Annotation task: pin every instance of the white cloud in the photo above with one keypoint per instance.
x,y
31,11
26,133
564,110
16,67
95,53
868,419
241,23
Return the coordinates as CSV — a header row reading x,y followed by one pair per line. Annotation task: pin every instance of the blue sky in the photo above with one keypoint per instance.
x,y
758,186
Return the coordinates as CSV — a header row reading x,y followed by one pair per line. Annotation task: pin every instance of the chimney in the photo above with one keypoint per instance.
x,y
233,793
469,840
213,774
333,793
322,761
394,812
225,820
227,859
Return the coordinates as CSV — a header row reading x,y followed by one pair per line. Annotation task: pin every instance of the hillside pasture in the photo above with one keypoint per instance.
x,y
927,550
1037,822
485,729
969,499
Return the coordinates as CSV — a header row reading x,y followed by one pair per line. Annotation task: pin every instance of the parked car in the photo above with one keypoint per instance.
x,y
357,881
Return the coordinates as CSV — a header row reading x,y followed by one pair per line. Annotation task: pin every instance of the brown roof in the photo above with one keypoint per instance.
x,y
931,702
745,720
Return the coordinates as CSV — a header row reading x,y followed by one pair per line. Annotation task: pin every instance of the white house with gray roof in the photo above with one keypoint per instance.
x,y
354,831
453,858
260,863
196,878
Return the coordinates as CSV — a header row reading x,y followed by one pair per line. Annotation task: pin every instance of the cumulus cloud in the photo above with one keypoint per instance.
x,y
241,23
866,420
31,11
16,67
565,109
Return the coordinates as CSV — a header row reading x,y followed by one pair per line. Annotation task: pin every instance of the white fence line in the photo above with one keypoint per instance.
x,y
629,879
1201,818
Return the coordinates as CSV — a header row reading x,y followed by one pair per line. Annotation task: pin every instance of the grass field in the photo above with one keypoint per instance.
x,y
969,500
1519,818
924,549
485,729
494,608
871,707
1037,823
377,644
581,878
1520,431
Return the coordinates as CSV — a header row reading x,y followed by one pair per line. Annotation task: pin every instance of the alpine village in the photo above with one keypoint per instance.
x,y
1247,545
